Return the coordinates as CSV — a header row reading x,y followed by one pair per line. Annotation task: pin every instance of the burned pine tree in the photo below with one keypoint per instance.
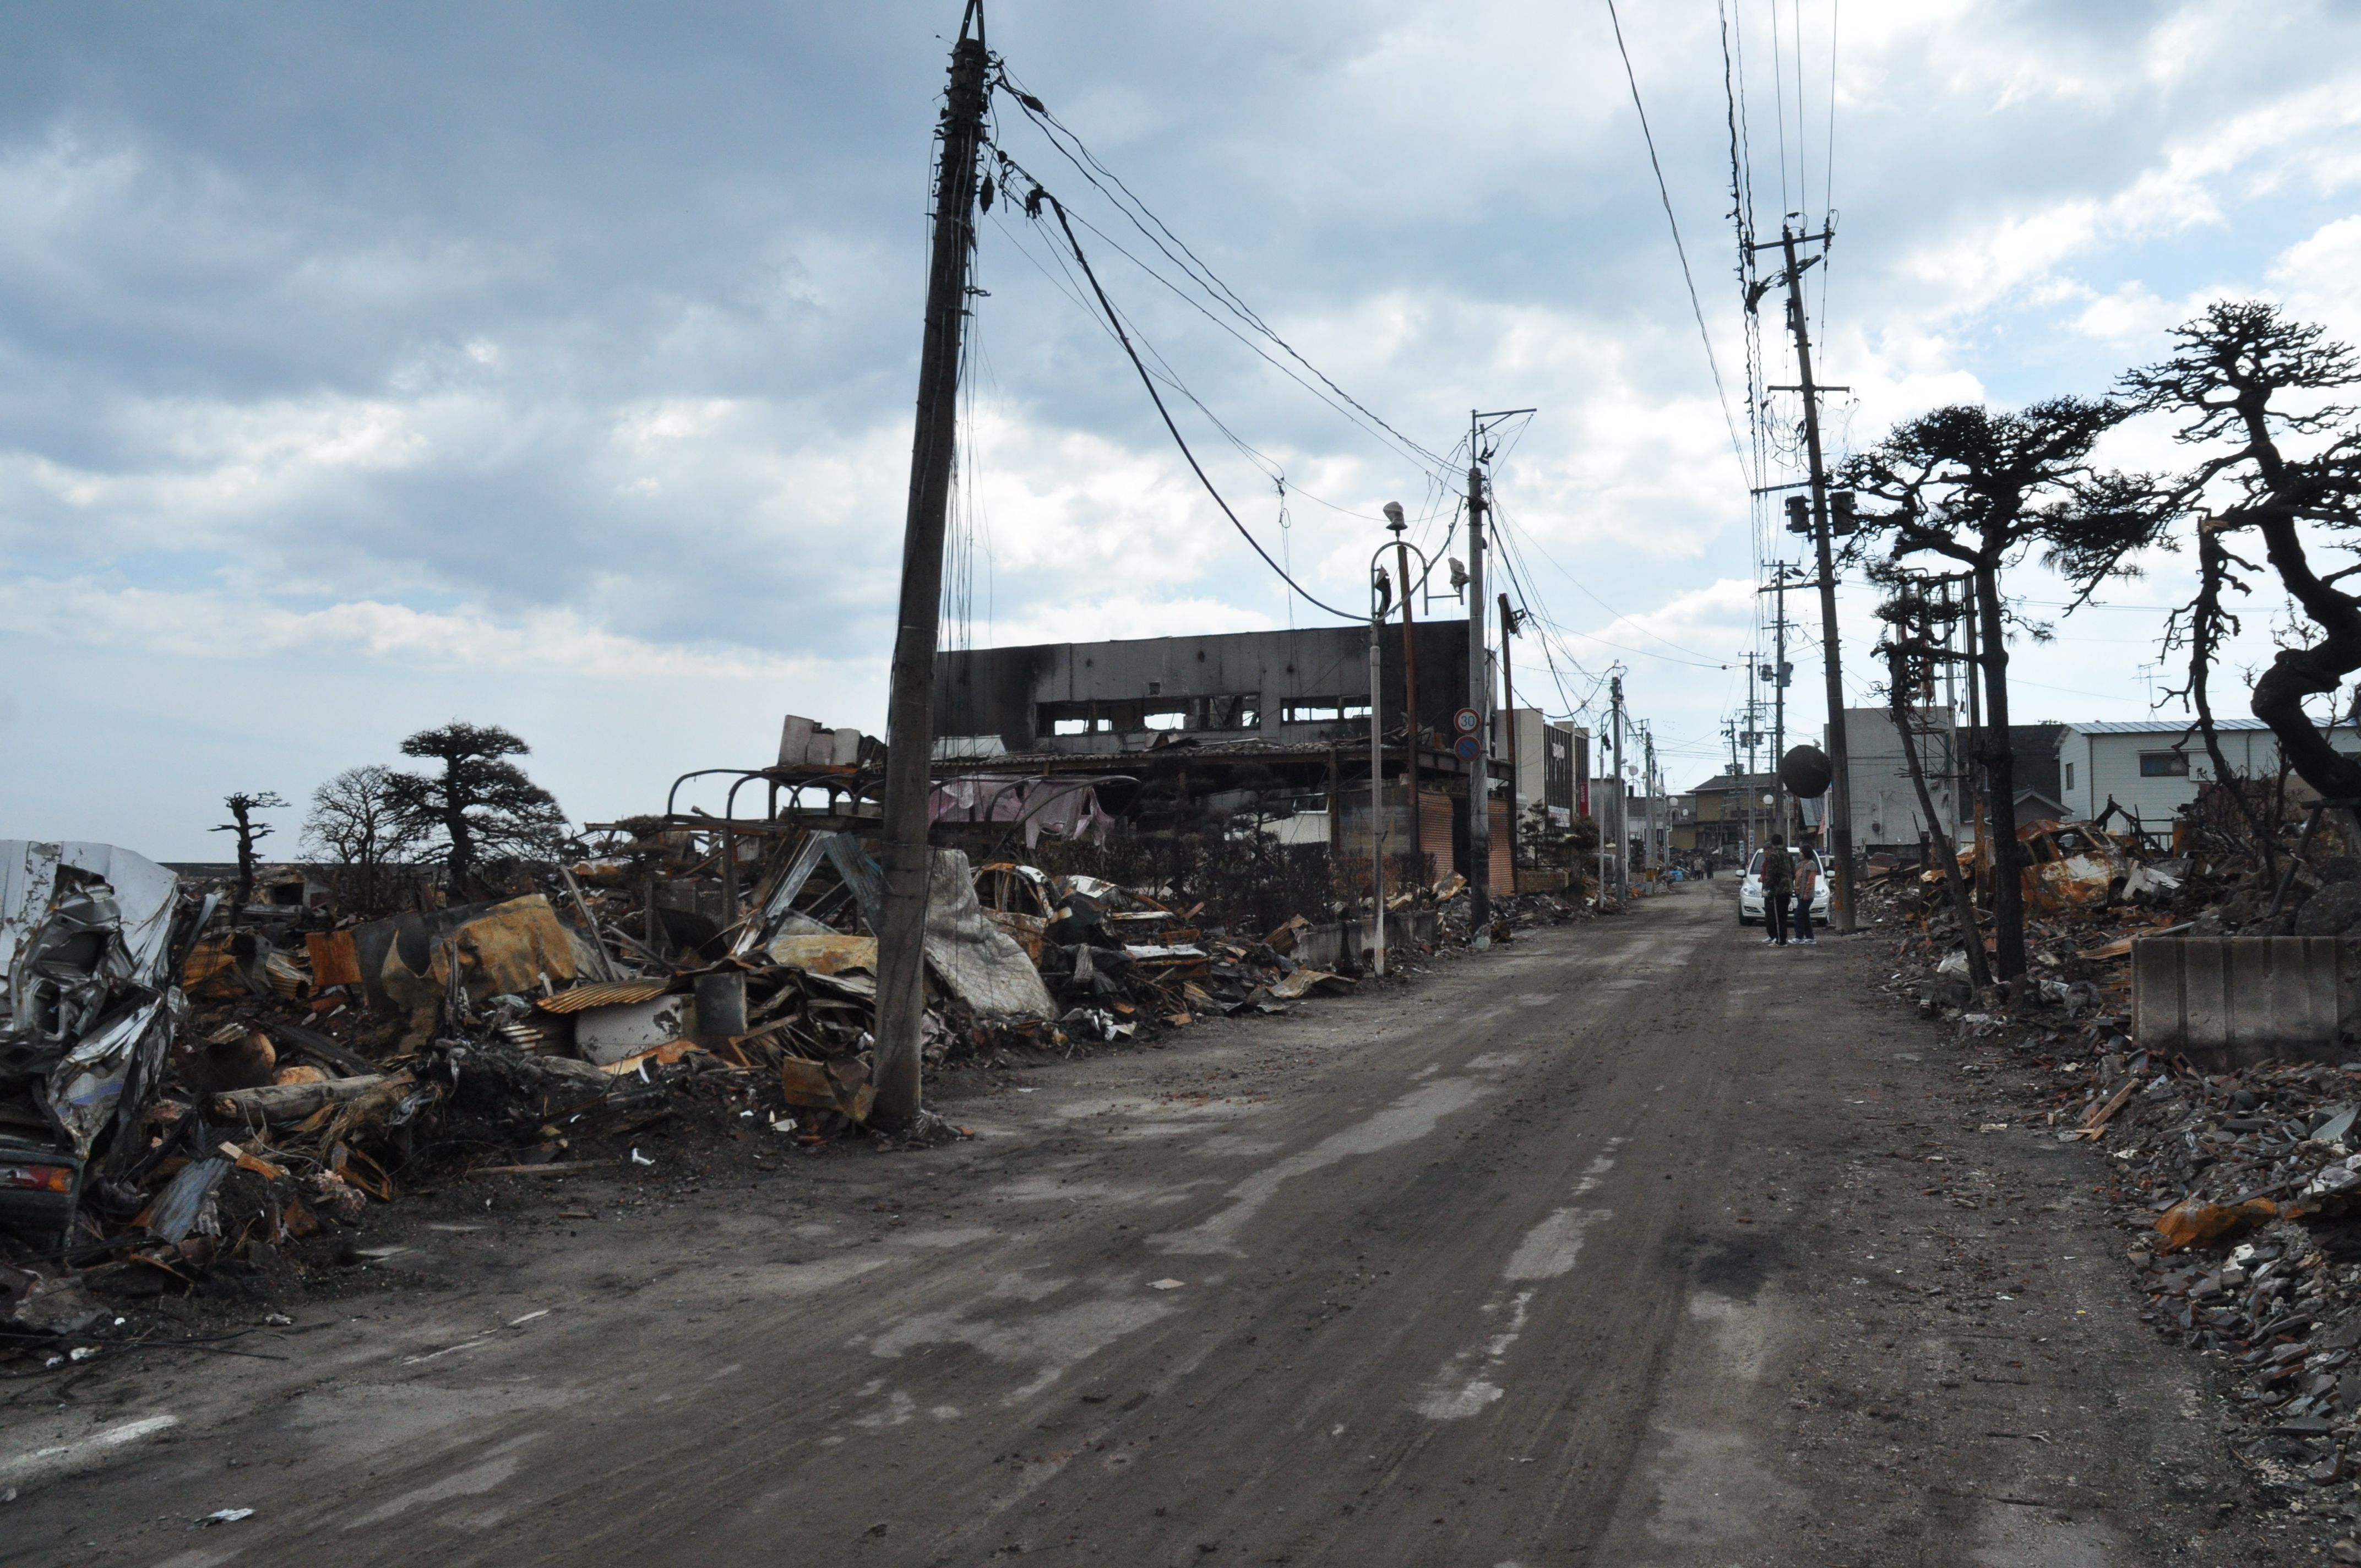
x,y
242,808
2228,379
483,805
1910,655
1984,487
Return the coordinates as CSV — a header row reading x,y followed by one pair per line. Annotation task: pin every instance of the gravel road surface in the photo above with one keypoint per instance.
x,y
1633,1242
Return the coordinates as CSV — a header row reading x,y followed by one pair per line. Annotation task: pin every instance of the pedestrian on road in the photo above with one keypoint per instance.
x,y
1778,886
1807,887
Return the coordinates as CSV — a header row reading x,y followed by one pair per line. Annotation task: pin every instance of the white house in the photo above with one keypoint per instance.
x,y
2152,767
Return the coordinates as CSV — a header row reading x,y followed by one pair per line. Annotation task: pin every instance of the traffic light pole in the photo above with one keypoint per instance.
x,y
1839,826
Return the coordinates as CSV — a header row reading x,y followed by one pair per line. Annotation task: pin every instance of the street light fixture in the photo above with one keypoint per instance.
x,y
1379,602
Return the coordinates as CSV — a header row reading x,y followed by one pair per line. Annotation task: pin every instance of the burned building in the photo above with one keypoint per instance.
x,y
1271,723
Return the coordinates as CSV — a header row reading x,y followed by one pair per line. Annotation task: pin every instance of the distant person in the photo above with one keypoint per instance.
x,y
1807,887
1778,886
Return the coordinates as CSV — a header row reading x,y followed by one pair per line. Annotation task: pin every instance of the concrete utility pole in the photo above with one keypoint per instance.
x,y
910,708
1622,798
1598,820
1479,697
1508,711
1779,704
1731,797
1839,808
1753,738
1395,522
1377,779
1648,798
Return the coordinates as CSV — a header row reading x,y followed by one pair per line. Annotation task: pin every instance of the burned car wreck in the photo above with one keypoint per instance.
x,y
88,949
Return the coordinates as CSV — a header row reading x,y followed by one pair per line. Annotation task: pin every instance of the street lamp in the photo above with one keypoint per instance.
x,y
1380,603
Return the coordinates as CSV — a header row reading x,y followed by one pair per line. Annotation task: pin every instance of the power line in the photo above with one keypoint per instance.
x,y
1088,165
1149,382
1663,192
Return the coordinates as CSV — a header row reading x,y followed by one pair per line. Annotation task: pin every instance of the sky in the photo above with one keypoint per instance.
x,y
362,369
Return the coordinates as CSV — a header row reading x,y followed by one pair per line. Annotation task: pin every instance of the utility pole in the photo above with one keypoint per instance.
x,y
1479,683
1394,521
1509,711
909,714
1622,800
1839,809
1378,778
1479,697
1779,703
1648,797
1753,738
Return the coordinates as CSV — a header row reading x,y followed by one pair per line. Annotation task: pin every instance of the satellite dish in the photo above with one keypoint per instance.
x,y
1805,771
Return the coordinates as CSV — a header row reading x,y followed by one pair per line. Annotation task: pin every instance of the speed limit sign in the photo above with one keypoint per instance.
x,y
1467,721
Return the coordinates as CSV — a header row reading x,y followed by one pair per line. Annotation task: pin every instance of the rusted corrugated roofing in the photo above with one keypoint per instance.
x,y
606,994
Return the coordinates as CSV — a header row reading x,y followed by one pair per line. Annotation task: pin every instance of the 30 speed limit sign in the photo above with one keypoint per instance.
x,y
1467,721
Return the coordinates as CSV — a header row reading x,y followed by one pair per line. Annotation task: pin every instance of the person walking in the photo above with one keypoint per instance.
x,y
1778,886
1807,887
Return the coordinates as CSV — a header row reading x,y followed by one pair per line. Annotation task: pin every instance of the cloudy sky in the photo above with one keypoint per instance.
x,y
551,366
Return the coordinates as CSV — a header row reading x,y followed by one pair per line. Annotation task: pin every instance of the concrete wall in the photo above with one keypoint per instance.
x,y
1340,943
1886,812
2235,1000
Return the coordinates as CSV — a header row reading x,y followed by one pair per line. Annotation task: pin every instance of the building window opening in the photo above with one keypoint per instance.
x,y
1323,710
2164,764
2069,775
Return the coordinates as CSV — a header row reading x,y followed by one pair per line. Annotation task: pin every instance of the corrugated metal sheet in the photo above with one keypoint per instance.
x,y
606,994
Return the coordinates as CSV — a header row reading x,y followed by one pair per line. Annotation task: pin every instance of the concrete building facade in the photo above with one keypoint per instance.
x,y
1886,810
2152,767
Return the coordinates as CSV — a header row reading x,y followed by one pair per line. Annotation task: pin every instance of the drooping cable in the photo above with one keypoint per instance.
x,y
1142,216
1721,393
1149,381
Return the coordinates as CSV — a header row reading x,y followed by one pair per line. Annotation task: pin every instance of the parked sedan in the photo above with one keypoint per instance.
x,y
1749,891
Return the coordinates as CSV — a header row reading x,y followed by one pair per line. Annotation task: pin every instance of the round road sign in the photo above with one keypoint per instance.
x,y
1467,721
1466,748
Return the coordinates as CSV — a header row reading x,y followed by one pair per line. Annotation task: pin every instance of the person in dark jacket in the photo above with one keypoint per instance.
x,y
1778,887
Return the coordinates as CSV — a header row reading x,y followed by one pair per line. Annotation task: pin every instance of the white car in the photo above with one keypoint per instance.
x,y
1750,889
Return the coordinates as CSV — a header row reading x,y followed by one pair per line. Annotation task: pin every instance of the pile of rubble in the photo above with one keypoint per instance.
x,y
186,1088
2242,1191
2239,1187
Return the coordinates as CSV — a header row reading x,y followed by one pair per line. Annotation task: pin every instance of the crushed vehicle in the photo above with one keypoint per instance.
x,y
88,949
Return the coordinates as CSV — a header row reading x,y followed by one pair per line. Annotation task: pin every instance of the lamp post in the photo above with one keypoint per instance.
x,y
1379,602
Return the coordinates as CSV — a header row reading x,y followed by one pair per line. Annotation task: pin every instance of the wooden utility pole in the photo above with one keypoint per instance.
x,y
910,708
1479,698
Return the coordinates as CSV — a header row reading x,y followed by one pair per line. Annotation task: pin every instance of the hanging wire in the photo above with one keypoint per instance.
x,y
1721,393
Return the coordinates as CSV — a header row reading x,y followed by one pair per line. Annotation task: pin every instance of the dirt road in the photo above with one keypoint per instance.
x,y
1633,1242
